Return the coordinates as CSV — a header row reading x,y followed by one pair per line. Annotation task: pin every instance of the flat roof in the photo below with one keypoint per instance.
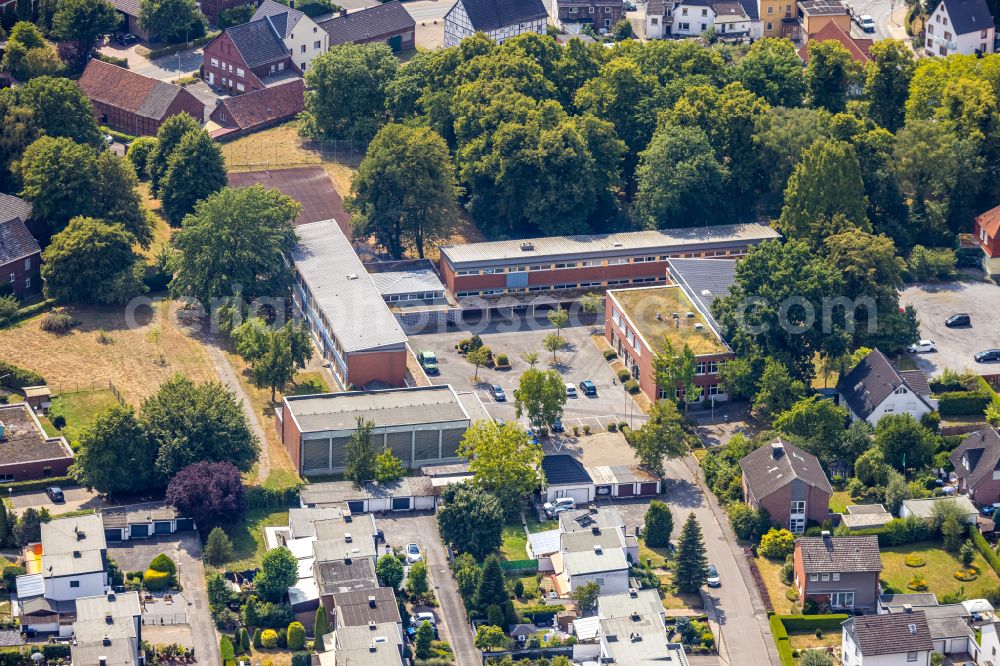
x,y
388,408
343,290
923,508
640,641
123,516
24,439
704,280
359,607
361,638
624,604
337,576
606,517
650,311
310,186
611,245
336,540
591,561
331,493
73,545
394,278
823,8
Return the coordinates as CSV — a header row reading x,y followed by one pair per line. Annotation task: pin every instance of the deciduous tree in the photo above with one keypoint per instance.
x,y
777,391
115,455
171,20
276,367
586,595
829,74
425,638
540,395
28,55
388,467
168,137
59,178
278,572
887,82
209,492
59,107
92,262
503,461
82,22
772,69
904,442
404,192
390,571
471,520
662,436
818,424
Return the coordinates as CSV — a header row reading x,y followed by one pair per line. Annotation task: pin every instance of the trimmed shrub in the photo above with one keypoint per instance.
x,y
632,386
269,639
296,636
162,562
57,322
613,427
501,360
624,375
301,659
8,308
156,580
226,649
610,354
963,403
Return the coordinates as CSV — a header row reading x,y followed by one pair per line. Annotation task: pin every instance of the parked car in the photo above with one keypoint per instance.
x,y
419,619
498,393
428,361
562,504
55,494
413,553
957,320
126,39
922,347
588,387
988,510
557,426
713,579
570,390
867,23
988,356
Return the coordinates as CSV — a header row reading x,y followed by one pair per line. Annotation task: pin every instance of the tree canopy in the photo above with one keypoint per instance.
x,y
91,261
503,461
471,520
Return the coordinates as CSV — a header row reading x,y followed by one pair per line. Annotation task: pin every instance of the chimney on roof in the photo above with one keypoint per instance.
x,y
107,640
632,592
347,537
595,530
102,661
907,608
777,450
371,602
111,595
597,549
343,12
373,648
371,625
109,618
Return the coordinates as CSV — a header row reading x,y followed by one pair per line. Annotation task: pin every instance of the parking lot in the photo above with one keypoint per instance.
x,y
580,360
956,346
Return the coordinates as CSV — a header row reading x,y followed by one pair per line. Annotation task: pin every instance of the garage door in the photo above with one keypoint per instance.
x,y
626,490
400,503
647,488
139,531
185,524
581,495
113,534
356,506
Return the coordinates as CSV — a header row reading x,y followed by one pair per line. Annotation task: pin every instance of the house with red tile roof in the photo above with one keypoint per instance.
x,y
858,48
20,255
987,230
250,56
133,103
256,110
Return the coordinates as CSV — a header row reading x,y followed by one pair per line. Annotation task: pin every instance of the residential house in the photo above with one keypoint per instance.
x,y
601,14
731,19
779,18
924,508
960,27
360,608
874,388
389,23
892,602
302,36
565,476
243,114
378,644
638,640
977,466
251,56
841,571
421,425
68,563
497,19
815,14
26,451
860,49
593,548
752,10
788,482
987,231
879,640
108,630
692,17
659,18
128,18
20,254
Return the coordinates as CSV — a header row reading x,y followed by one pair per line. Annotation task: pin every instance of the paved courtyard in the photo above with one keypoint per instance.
x,y
580,360
956,346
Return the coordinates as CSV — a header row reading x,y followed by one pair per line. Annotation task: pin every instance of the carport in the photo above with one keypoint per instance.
x,y
411,493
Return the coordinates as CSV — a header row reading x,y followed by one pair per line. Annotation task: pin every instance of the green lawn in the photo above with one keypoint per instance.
x,y
308,383
277,479
79,408
840,500
534,525
515,542
938,571
248,536
770,571
657,556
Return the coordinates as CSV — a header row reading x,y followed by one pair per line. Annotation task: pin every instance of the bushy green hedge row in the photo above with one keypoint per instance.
x,y
120,137
13,377
781,641
181,46
259,497
984,549
38,484
963,403
812,622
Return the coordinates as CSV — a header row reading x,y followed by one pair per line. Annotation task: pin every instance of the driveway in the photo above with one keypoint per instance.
x,y
453,626
935,303
579,361
77,498
185,550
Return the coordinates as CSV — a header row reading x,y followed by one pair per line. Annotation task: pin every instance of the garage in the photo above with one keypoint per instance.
x,y
648,488
140,531
626,490
185,524
580,495
401,503
161,527
116,534
356,506
566,476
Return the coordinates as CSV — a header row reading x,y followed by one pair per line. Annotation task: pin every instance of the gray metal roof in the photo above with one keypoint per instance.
x,y
704,280
361,638
343,576
330,493
606,517
416,281
73,546
368,24
343,290
591,561
302,522
606,245
388,408
640,640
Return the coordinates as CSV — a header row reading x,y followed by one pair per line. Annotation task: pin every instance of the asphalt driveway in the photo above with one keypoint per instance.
x,y
77,499
580,360
956,346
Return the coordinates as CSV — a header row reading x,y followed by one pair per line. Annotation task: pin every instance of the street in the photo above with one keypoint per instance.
x,y
889,16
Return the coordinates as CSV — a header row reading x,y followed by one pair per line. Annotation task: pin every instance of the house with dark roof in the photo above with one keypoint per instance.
x,y
303,38
858,48
497,19
987,232
133,103
977,466
874,388
251,56
960,26
20,254
788,482
602,15
902,638
565,476
242,114
389,23
838,571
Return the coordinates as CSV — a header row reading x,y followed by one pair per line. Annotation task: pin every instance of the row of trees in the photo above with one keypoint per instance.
x,y
553,140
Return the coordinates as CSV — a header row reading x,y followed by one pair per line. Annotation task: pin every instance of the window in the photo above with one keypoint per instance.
x,y
572,10
813,577
590,262
982,34
704,12
930,29
462,294
74,583
215,62
770,26
825,578
699,368
240,87
599,581
591,10
842,600
713,367
302,66
27,264
900,391
317,44
713,389
798,506
468,272
492,292
540,267
684,11
281,66
6,478
617,261
836,576
607,10
947,36
911,656
517,269
302,49
704,27
942,51
492,271
570,264
653,20
12,278
239,72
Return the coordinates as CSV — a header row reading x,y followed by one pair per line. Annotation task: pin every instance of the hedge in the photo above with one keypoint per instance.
x,y
39,484
984,549
120,137
781,641
963,403
14,377
811,623
259,497
181,46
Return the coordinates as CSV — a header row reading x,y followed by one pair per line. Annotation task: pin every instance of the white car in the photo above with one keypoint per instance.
x,y
560,505
570,390
867,23
713,579
420,618
923,347
413,553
